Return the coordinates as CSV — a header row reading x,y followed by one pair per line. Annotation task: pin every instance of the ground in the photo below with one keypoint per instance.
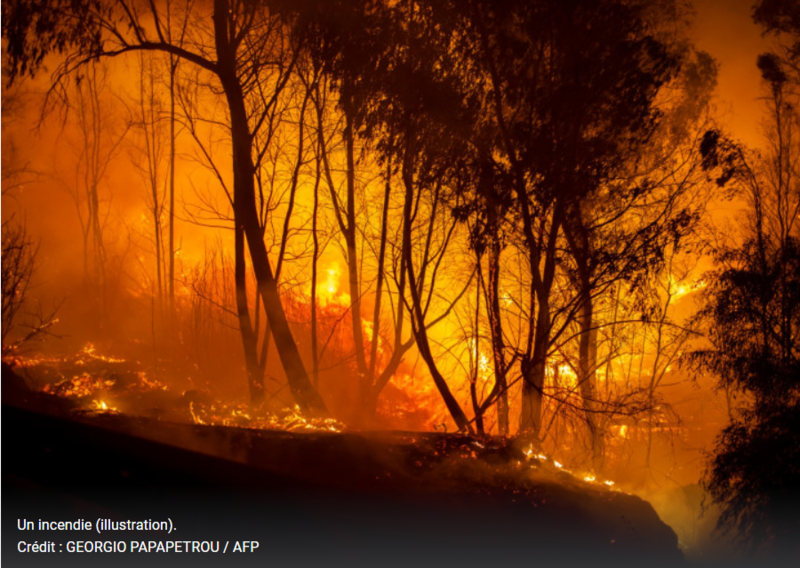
x,y
320,498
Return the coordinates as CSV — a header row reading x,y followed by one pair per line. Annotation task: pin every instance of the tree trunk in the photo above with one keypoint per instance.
x,y
533,374
496,331
255,376
173,64
418,318
587,368
376,316
377,384
246,217
314,269
352,260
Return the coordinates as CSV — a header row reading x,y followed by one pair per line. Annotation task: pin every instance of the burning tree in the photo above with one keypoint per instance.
x,y
233,50
487,204
473,106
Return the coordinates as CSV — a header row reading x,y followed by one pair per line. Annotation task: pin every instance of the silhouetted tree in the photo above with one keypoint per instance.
x,y
233,49
153,136
752,311
390,63
19,323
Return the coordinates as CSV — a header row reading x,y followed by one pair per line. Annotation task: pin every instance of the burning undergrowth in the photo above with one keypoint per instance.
x,y
97,384
121,394
487,465
107,387
243,416
111,402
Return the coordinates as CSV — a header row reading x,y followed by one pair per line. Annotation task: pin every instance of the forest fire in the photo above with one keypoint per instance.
x,y
101,407
505,252
79,387
90,351
126,387
289,419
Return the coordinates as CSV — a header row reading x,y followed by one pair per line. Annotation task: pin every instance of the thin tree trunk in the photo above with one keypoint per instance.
x,y
173,65
587,377
376,316
498,343
246,217
534,368
474,356
375,387
530,421
314,271
352,259
255,377
400,347
418,319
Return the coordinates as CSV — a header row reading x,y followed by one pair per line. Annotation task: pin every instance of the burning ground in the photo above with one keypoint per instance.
x,y
424,492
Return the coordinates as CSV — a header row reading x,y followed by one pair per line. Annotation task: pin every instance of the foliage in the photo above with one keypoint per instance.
x,y
755,471
34,29
752,309
19,256
780,16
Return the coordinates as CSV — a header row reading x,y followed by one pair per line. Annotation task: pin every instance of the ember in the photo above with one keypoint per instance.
x,y
84,386
91,351
288,419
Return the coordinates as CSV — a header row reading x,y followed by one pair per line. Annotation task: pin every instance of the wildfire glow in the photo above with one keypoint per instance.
x,y
485,372
101,406
530,455
566,376
328,290
78,387
679,289
91,351
239,415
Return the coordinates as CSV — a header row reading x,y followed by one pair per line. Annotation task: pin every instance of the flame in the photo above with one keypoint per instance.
x,y
79,386
90,389
100,406
485,371
150,384
35,360
679,288
369,333
91,351
239,415
329,289
588,477
567,378
417,397
530,455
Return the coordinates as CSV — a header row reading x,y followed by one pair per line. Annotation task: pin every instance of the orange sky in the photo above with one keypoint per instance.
x,y
725,29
